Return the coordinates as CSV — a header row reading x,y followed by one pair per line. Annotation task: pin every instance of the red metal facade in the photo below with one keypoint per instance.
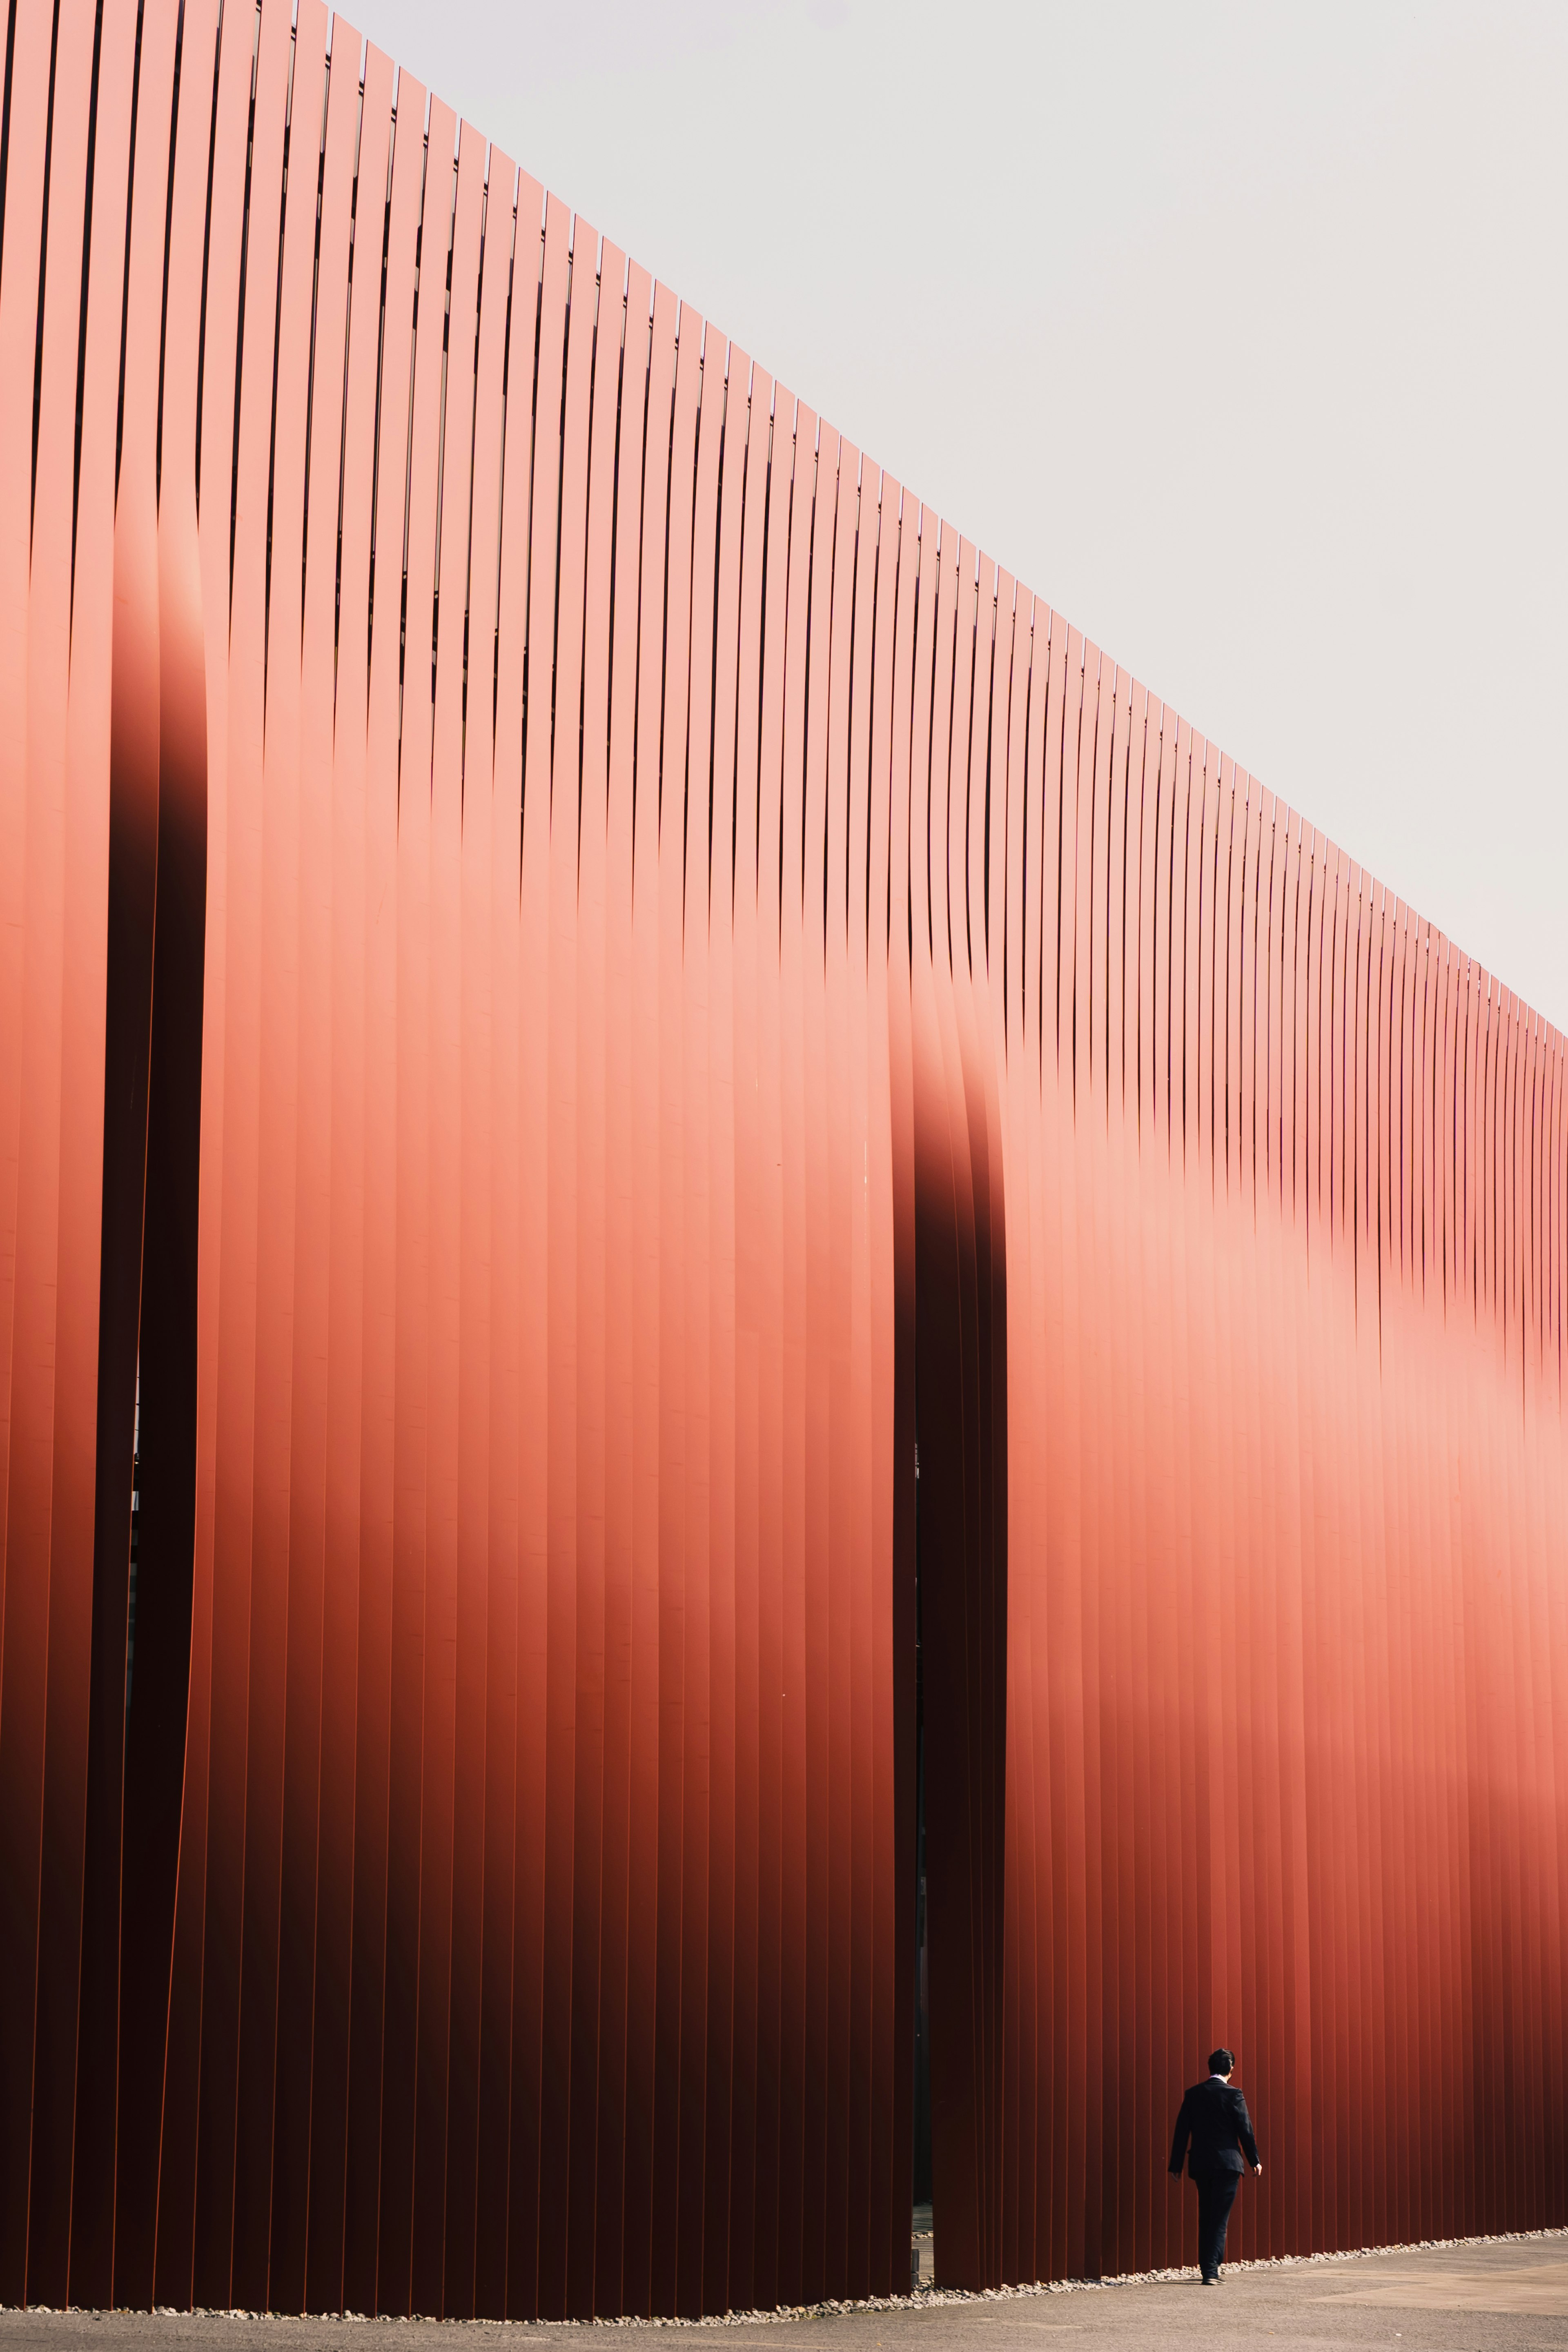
x,y
576,970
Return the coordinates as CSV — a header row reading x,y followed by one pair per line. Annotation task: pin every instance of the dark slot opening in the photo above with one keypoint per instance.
x,y
135,1517
922,2184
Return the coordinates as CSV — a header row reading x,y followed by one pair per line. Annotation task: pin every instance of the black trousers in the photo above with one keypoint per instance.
x,y
1217,2195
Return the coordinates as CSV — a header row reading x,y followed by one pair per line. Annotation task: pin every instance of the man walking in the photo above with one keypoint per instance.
x,y
1213,2117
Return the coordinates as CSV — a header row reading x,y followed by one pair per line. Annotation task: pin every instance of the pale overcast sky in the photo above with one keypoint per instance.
x,y
1239,333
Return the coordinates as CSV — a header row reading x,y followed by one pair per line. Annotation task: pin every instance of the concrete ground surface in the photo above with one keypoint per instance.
x,y
1495,2295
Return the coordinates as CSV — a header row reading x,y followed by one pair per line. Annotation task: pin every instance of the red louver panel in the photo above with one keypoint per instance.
x,y
578,975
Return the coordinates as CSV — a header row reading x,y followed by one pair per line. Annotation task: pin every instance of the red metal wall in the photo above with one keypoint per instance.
x,y
576,970
1288,1539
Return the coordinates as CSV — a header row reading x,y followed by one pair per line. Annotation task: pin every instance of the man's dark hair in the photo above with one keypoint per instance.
x,y
1222,2062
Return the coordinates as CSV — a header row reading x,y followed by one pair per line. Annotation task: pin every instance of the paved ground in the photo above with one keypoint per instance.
x,y
1497,2296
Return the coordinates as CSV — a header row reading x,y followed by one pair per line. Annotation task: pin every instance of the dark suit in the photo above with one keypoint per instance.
x,y
1213,2118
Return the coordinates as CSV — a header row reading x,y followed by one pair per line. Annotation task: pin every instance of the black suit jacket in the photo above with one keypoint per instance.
x,y
1213,2117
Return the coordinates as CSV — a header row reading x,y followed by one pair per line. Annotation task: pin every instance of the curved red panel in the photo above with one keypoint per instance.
x,y
650,1125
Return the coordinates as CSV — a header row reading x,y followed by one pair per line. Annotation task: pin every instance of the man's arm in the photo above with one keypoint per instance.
x,y
1244,2133
1179,2145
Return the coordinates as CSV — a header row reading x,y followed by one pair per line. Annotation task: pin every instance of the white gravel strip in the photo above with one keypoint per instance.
x,y
924,2298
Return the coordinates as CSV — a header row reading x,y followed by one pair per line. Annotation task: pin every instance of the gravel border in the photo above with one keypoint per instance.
x,y
925,2298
